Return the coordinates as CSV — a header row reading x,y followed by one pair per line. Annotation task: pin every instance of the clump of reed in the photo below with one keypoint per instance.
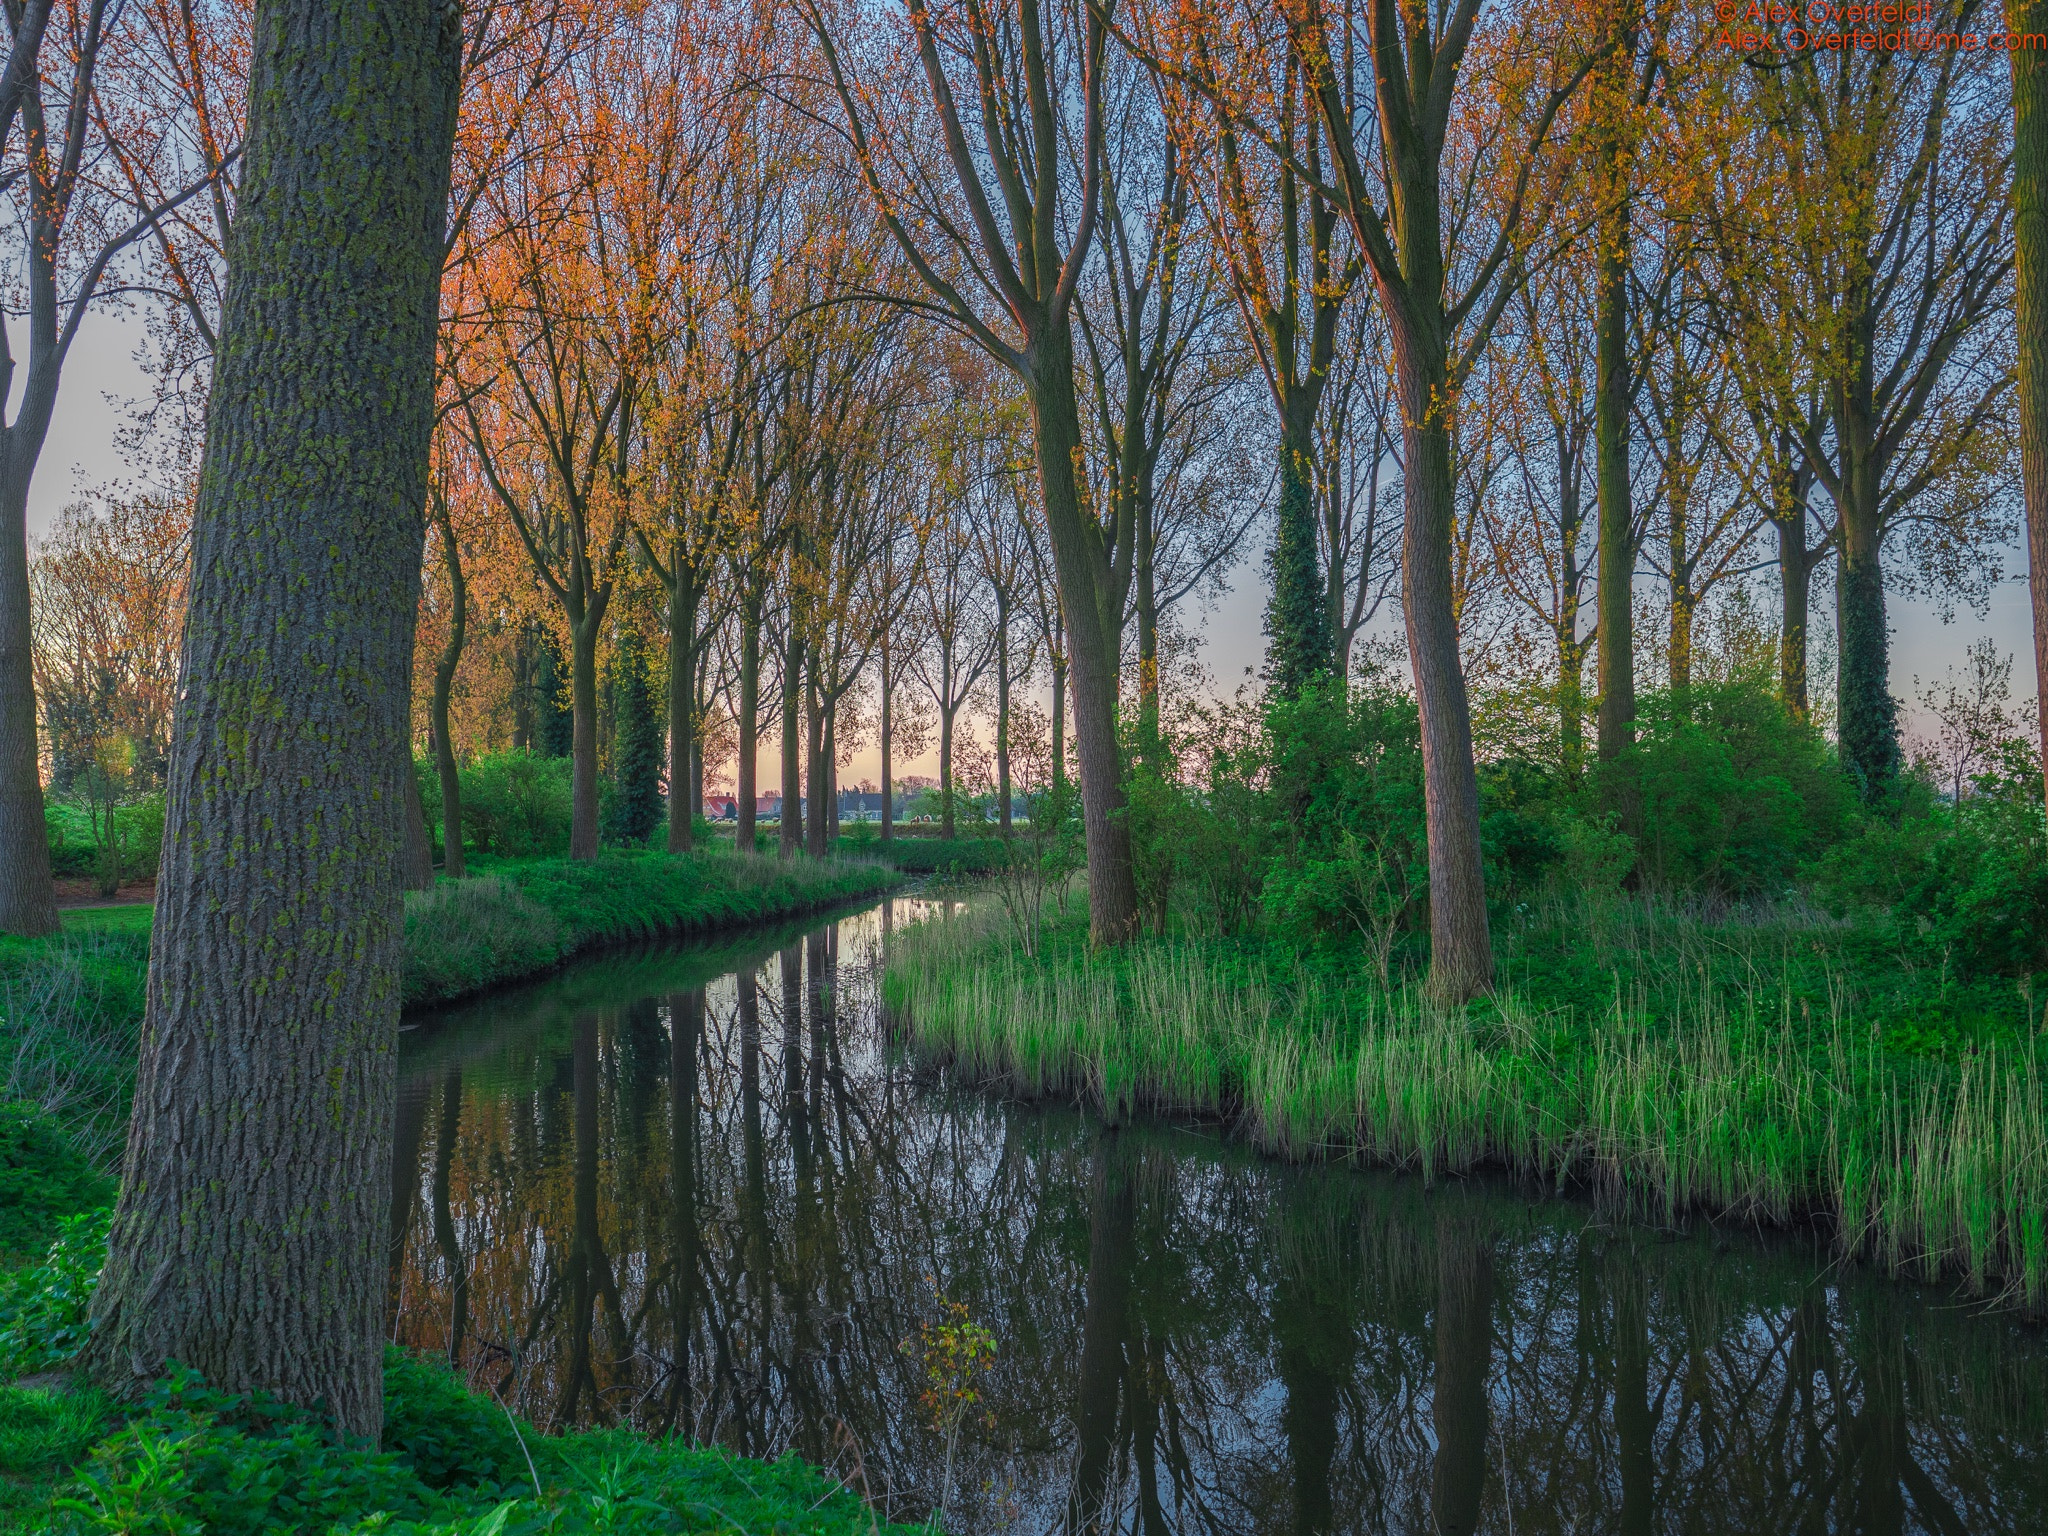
x,y
1927,1166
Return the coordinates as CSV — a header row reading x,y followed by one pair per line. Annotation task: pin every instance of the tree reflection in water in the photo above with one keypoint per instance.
x,y
610,1205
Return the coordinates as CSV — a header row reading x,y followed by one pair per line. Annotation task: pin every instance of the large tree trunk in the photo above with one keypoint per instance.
x,y
682,698
2030,239
444,685
1617,552
1571,651
792,766
1112,892
746,771
249,1240
583,741
1059,718
1461,942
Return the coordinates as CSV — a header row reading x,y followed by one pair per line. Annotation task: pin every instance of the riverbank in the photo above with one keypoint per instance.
x,y
1764,1064
451,1463
72,1004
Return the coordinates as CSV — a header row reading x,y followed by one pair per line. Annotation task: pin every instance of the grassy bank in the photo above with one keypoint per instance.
x,y
927,855
519,919
71,1006
1763,1063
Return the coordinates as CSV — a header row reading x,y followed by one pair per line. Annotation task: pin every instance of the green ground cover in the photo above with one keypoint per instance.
x,y
925,855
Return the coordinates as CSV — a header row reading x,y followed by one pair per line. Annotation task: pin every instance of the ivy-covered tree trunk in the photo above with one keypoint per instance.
x,y
1866,714
1297,621
1795,591
2030,232
250,1237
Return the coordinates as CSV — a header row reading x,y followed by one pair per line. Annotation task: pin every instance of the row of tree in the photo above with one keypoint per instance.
x,y
691,261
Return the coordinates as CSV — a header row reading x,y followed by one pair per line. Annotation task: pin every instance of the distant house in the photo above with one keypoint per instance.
x,y
721,808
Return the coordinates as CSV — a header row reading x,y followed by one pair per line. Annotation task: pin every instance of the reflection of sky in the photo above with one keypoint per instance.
x,y
1283,1329
82,457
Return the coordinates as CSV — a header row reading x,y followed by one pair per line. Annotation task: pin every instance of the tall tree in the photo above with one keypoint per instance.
x,y
1444,278
1011,220
2030,235
249,1240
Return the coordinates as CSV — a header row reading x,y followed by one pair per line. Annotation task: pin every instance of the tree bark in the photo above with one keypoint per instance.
x,y
416,849
28,899
1795,573
946,771
683,807
888,785
747,768
1003,712
583,739
1617,551
792,828
1297,625
817,823
1461,940
1112,892
2030,239
444,684
249,1238
1867,716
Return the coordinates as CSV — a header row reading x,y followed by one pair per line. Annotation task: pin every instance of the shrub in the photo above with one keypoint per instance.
x,y
448,1435
1345,770
1725,791
43,1308
517,804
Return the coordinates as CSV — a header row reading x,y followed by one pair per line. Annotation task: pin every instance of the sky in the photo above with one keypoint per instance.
x,y
103,382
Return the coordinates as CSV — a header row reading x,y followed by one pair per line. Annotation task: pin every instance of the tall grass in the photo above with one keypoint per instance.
x,y
70,1017
1928,1166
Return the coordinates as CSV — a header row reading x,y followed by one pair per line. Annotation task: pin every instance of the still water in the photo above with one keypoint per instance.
x,y
695,1189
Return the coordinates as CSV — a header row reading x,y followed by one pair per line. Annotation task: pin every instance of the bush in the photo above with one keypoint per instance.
x,y
75,849
517,804
1724,791
1346,788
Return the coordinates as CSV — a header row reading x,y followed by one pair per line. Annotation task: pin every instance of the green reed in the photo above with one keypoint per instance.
x,y
1726,1103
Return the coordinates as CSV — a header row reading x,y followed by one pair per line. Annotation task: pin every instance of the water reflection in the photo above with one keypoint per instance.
x,y
692,1190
